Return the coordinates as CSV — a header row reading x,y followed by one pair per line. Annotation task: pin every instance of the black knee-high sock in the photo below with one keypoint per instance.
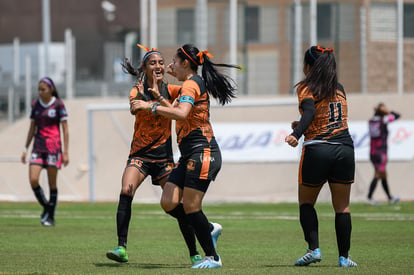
x,y
386,189
186,229
40,195
52,203
372,187
203,232
123,216
343,227
309,223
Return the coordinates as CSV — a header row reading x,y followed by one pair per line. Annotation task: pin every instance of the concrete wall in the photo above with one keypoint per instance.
x,y
251,182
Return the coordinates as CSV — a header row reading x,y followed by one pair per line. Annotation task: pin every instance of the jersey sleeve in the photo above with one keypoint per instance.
x,y
133,93
63,114
190,92
32,112
304,93
391,117
173,90
308,107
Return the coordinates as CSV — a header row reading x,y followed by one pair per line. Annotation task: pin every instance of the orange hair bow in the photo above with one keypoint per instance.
x,y
201,53
147,49
322,49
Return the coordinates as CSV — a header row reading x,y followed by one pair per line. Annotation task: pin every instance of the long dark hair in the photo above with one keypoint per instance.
x,y
218,85
377,111
322,79
127,67
49,82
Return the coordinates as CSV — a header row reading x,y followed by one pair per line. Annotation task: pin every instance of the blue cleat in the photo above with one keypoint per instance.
x,y
346,262
208,262
311,256
216,232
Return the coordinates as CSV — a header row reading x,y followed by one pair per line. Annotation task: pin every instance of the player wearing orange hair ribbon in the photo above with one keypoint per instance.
x,y
328,154
151,151
200,159
201,55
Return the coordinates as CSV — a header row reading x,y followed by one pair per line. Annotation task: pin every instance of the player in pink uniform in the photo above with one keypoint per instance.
x,y
378,131
48,113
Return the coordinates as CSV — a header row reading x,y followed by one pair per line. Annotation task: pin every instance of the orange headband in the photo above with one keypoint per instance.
x,y
201,53
324,49
147,49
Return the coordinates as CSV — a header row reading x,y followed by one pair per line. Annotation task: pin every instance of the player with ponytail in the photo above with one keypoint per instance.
x,y
327,154
200,159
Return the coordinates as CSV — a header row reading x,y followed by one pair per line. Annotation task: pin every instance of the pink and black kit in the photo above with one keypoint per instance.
x,y
47,147
378,131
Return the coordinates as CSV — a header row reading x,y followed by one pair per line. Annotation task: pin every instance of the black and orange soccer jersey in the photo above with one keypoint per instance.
x,y
152,134
330,122
196,130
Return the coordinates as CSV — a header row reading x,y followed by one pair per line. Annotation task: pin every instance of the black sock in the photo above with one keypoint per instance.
x,y
40,195
343,227
203,232
385,186
186,229
123,216
372,187
309,223
52,203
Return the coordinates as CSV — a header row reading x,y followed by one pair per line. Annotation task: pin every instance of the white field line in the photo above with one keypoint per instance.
x,y
378,216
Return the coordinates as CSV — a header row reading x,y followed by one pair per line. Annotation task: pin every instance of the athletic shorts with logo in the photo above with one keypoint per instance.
x,y
333,163
157,169
197,169
46,159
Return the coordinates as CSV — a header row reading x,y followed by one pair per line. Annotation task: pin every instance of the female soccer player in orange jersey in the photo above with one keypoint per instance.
x,y
327,153
151,151
200,159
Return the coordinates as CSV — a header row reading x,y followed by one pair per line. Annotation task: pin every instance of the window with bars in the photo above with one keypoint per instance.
x,y
252,24
324,21
408,20
185,26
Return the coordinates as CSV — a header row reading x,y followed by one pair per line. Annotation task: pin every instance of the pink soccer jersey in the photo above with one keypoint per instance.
x,y
47,118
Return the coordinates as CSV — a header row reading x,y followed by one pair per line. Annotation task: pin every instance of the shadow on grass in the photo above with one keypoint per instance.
x,y
298,267
140,265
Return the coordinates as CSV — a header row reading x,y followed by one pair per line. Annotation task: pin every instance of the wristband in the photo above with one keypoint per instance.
x,y
150,106
154,106
160,98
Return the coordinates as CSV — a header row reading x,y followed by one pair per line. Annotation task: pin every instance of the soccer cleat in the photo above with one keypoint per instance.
x,y
311,256
216,232
44,216
208,262
118,254
373,202
346,262
394,200
48,222
196,259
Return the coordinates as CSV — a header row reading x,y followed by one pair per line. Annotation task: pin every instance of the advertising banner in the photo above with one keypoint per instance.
x,y
264,142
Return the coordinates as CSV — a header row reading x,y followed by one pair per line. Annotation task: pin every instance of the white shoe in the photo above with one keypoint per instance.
x,y
209,262
373,202
394,200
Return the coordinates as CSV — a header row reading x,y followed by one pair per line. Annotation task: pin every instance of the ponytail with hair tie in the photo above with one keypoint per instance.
x,y
201,55
322,49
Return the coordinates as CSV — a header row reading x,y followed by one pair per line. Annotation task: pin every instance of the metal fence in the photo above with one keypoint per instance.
x,y
373,41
